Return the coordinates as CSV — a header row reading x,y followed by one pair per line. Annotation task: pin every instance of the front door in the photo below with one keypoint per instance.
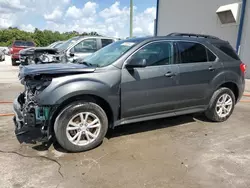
x,y
151,89
83,49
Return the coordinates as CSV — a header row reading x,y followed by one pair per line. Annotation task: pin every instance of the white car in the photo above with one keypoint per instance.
x,y
2,55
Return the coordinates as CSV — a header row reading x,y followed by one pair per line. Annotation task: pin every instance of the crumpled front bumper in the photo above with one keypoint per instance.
x,y
26,128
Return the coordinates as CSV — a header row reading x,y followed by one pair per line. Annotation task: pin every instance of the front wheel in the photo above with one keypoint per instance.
x,y
81,126
221,105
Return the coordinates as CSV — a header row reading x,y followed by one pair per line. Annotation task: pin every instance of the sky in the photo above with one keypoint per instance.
x,y
106,17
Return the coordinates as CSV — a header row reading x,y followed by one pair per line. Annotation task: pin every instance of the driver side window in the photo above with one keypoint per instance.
x,y
85,46
155,54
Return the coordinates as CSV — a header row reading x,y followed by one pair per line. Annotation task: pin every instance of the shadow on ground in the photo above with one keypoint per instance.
x,y
133,128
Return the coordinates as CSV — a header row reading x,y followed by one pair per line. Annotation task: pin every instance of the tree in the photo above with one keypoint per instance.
x,y
41,38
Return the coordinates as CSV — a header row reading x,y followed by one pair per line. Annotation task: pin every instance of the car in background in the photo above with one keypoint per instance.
x,y
83,46
5,50
2,55
56,44
16,47
68,51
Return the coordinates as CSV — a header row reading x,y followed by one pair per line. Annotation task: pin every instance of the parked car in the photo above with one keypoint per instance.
x,y
2,55
70,50
128,81
5,50
16,47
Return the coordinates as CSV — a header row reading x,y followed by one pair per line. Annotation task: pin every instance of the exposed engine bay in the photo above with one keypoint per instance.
x,y
33,115
40,55
31,120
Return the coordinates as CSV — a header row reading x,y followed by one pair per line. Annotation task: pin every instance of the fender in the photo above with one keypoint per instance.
x,y
225,77
62,89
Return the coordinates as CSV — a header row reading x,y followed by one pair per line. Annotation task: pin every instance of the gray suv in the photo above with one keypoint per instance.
x,y
128,81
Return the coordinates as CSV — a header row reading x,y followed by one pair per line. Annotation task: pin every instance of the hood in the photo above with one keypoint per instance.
x,y
33,50
54,69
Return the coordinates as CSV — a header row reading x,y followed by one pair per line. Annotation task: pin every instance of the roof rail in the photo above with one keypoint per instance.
x,y
191,35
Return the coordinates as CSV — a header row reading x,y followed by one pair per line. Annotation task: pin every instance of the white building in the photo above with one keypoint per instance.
x,y
226,19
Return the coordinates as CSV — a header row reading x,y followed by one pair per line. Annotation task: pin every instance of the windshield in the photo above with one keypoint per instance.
x,y
58,45
67,43
23,43
108,54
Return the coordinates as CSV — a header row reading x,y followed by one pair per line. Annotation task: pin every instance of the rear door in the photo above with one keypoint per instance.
x,y
197,66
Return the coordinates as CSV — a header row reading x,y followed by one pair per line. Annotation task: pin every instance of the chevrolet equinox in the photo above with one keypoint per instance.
x,y
128,81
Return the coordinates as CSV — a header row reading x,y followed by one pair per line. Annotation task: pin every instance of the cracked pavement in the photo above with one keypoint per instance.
x,y
177,152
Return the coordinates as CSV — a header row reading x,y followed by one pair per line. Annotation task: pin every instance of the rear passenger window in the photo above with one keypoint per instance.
x,y
192,52
106,42
227,50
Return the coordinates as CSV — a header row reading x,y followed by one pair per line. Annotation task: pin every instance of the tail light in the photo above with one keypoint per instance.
x,y
243,68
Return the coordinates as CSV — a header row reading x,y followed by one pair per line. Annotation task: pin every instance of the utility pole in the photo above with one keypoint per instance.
x,y
131,18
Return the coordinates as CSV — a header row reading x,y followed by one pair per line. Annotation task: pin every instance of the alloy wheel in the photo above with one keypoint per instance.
x,y
83,128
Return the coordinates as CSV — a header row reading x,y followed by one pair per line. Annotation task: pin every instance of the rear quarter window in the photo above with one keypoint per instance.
x,y
228,50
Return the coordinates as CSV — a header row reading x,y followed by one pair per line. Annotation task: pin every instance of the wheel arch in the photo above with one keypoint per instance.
x,y
233,87
84,97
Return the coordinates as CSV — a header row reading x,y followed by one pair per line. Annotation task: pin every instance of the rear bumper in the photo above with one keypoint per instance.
x,y
241,88
27,130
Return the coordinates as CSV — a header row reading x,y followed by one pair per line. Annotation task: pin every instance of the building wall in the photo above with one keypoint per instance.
x,y
199,16
195,16
245,41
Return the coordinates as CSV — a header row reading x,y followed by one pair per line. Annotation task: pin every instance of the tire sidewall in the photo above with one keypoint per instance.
x,y
216,97
70,111
13,62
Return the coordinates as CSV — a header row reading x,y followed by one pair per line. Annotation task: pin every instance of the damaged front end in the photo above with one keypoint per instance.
x,y
31,120
40,55
33,107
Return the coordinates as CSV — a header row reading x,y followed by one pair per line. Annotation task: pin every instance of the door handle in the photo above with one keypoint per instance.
x,y
169,74
211,68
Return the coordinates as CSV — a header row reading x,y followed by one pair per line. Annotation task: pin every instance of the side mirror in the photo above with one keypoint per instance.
x,y
136,62
71,54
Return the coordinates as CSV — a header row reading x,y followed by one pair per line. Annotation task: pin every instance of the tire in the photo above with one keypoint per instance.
x,y
70,113
13,61
213,111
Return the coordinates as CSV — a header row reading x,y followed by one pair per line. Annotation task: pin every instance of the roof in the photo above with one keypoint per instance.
x,y
186,37
90,36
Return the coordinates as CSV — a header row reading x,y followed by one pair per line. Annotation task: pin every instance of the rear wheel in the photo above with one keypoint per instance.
x,y
81,126
221,105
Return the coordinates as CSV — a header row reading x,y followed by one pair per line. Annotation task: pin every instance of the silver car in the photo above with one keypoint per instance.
x,y
83,46
2,55
69,51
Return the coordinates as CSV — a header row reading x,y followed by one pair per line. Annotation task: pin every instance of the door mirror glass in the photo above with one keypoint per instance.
x,y
136,62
